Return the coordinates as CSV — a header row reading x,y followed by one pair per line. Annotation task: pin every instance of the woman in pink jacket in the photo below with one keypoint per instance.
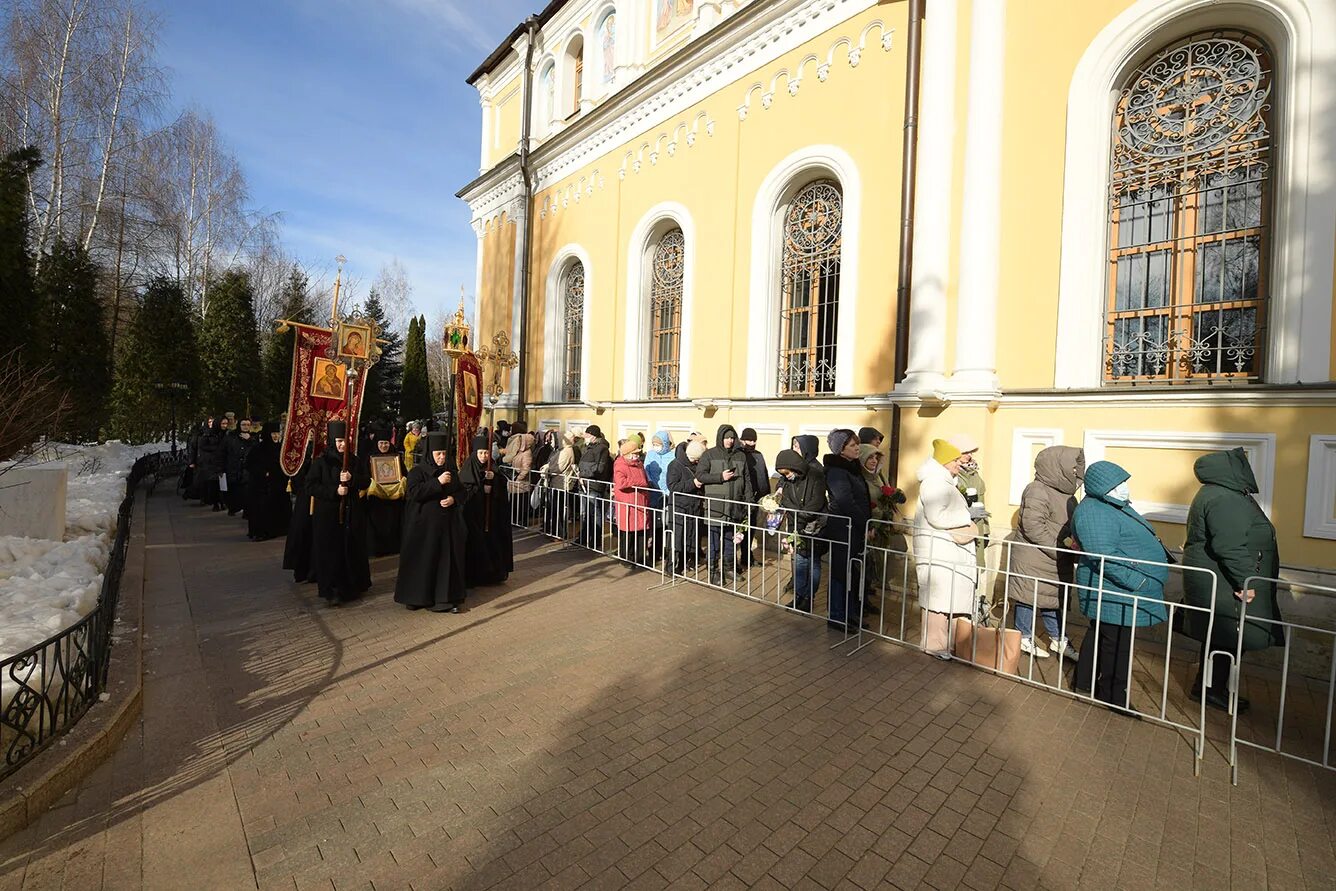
x,y
630,495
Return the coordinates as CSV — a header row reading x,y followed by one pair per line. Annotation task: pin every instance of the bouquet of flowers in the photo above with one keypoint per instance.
x,y
773,514
886,508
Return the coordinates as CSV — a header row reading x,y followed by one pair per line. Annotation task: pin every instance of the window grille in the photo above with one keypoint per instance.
x,y
572,301
1189,215
810,290
667,271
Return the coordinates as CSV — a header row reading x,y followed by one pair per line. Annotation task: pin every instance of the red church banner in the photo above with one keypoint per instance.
x,y
321,391
468,401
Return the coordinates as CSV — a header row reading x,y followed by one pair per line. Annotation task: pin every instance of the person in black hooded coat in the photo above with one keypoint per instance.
x,y
210,464
686,505
431,561
849,502
338,522
267,506
728,490
384,503
490,548
297,551
236,446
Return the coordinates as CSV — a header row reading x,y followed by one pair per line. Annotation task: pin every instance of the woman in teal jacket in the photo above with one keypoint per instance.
x,y
1230,535
1112,535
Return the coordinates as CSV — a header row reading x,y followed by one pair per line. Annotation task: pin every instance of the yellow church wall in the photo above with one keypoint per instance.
x,y
498,275
508,113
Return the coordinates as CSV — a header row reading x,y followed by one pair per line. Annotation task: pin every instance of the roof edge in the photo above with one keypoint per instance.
x,y
494,58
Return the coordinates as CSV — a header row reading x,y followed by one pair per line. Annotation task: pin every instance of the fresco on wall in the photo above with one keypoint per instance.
x,y
670,15
607,41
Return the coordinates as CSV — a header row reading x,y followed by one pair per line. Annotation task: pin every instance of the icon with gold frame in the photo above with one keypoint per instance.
x,y
329,379
385,469
354,340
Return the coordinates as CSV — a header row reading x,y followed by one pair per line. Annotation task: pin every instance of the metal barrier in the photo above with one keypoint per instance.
x,y
897,573
1298,704
46,689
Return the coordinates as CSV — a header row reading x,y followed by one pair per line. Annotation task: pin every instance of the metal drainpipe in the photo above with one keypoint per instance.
x,y
526,128
908,180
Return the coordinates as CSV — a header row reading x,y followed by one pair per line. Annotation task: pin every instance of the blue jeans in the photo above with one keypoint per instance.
x,y
721,539
806,579
1025,621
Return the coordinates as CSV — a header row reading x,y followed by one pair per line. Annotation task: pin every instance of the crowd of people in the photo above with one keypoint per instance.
x,y
703,504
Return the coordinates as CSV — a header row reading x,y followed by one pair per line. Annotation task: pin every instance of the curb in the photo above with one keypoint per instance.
x,y
32,790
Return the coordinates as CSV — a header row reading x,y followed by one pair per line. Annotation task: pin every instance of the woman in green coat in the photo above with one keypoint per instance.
x,y
1229,535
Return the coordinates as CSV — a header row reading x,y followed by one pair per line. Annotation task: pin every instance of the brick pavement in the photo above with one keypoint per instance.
x,y
579,729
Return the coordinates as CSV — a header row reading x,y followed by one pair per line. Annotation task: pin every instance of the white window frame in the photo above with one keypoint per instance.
x,y
1301,35
554,325
658,220
785,180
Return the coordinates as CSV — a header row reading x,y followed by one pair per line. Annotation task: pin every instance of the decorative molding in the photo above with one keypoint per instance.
x,y
678,430
725,56
1320,492
1260,448
1023,440
1303,242
577,427
780,430
792,80
626,428
667,140
562,197
820,431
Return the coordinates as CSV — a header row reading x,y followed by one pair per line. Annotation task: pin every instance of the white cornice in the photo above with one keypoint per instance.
x,y
723,57
1259,397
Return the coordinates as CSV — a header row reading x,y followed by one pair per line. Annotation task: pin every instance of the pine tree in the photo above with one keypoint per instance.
x,y
297,306
231,346
19,306
384,383
415,399
75,337
158,349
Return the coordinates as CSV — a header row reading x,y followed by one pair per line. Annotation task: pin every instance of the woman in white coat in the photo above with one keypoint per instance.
x,y
944,534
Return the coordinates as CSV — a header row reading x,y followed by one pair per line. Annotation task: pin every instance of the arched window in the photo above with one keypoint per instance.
x,y
547,104
1189,214
810,290
574,70
667,273
572,308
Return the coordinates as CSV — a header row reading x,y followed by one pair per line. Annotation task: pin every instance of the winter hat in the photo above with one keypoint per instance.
x,y
869,435
594,431
695,449
629,447
336,430
964,442
791,460
838,439
1103,477
480,442
944,452
865,452
270,427
749,434
438,441
665,441
568,437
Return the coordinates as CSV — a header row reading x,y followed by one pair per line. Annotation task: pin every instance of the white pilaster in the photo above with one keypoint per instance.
x,y
932,227
975,373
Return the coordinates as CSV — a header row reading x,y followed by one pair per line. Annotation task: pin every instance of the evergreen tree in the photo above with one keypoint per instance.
x,y
415,399
231,346
297,306
159,348
19,306
384,383
75,337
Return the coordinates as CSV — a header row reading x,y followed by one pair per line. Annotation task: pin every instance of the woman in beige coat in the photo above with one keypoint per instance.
x,y
944,534
1038,565
559,477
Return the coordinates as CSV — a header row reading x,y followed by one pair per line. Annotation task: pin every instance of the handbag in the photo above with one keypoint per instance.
x,y
536,497
998,648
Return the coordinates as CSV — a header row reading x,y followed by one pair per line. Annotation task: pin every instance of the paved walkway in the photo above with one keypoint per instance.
x,y
578,729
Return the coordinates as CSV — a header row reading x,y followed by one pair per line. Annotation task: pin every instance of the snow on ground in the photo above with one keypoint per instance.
x,y
47,586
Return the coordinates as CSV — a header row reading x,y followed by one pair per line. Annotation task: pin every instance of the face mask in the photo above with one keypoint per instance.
x,y
1122,492
968,464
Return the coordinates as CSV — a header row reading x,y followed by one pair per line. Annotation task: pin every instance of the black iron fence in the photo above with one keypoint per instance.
x,y
46,689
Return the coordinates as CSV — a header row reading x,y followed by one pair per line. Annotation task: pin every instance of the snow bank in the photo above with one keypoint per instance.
x,y
47,586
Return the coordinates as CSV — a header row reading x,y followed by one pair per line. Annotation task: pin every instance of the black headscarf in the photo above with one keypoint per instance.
x,y
474,472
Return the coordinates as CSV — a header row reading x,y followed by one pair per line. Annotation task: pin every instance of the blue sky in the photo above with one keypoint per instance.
x,y
351,118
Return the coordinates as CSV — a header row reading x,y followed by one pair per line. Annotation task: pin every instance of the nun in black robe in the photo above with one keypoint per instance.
x,y
268,507
297,551
491,552
431,561
385,501
339,557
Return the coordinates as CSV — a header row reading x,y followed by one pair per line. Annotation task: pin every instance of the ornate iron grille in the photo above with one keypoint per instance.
x,y
667,272
573,304
46,689
1189,215
810,290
